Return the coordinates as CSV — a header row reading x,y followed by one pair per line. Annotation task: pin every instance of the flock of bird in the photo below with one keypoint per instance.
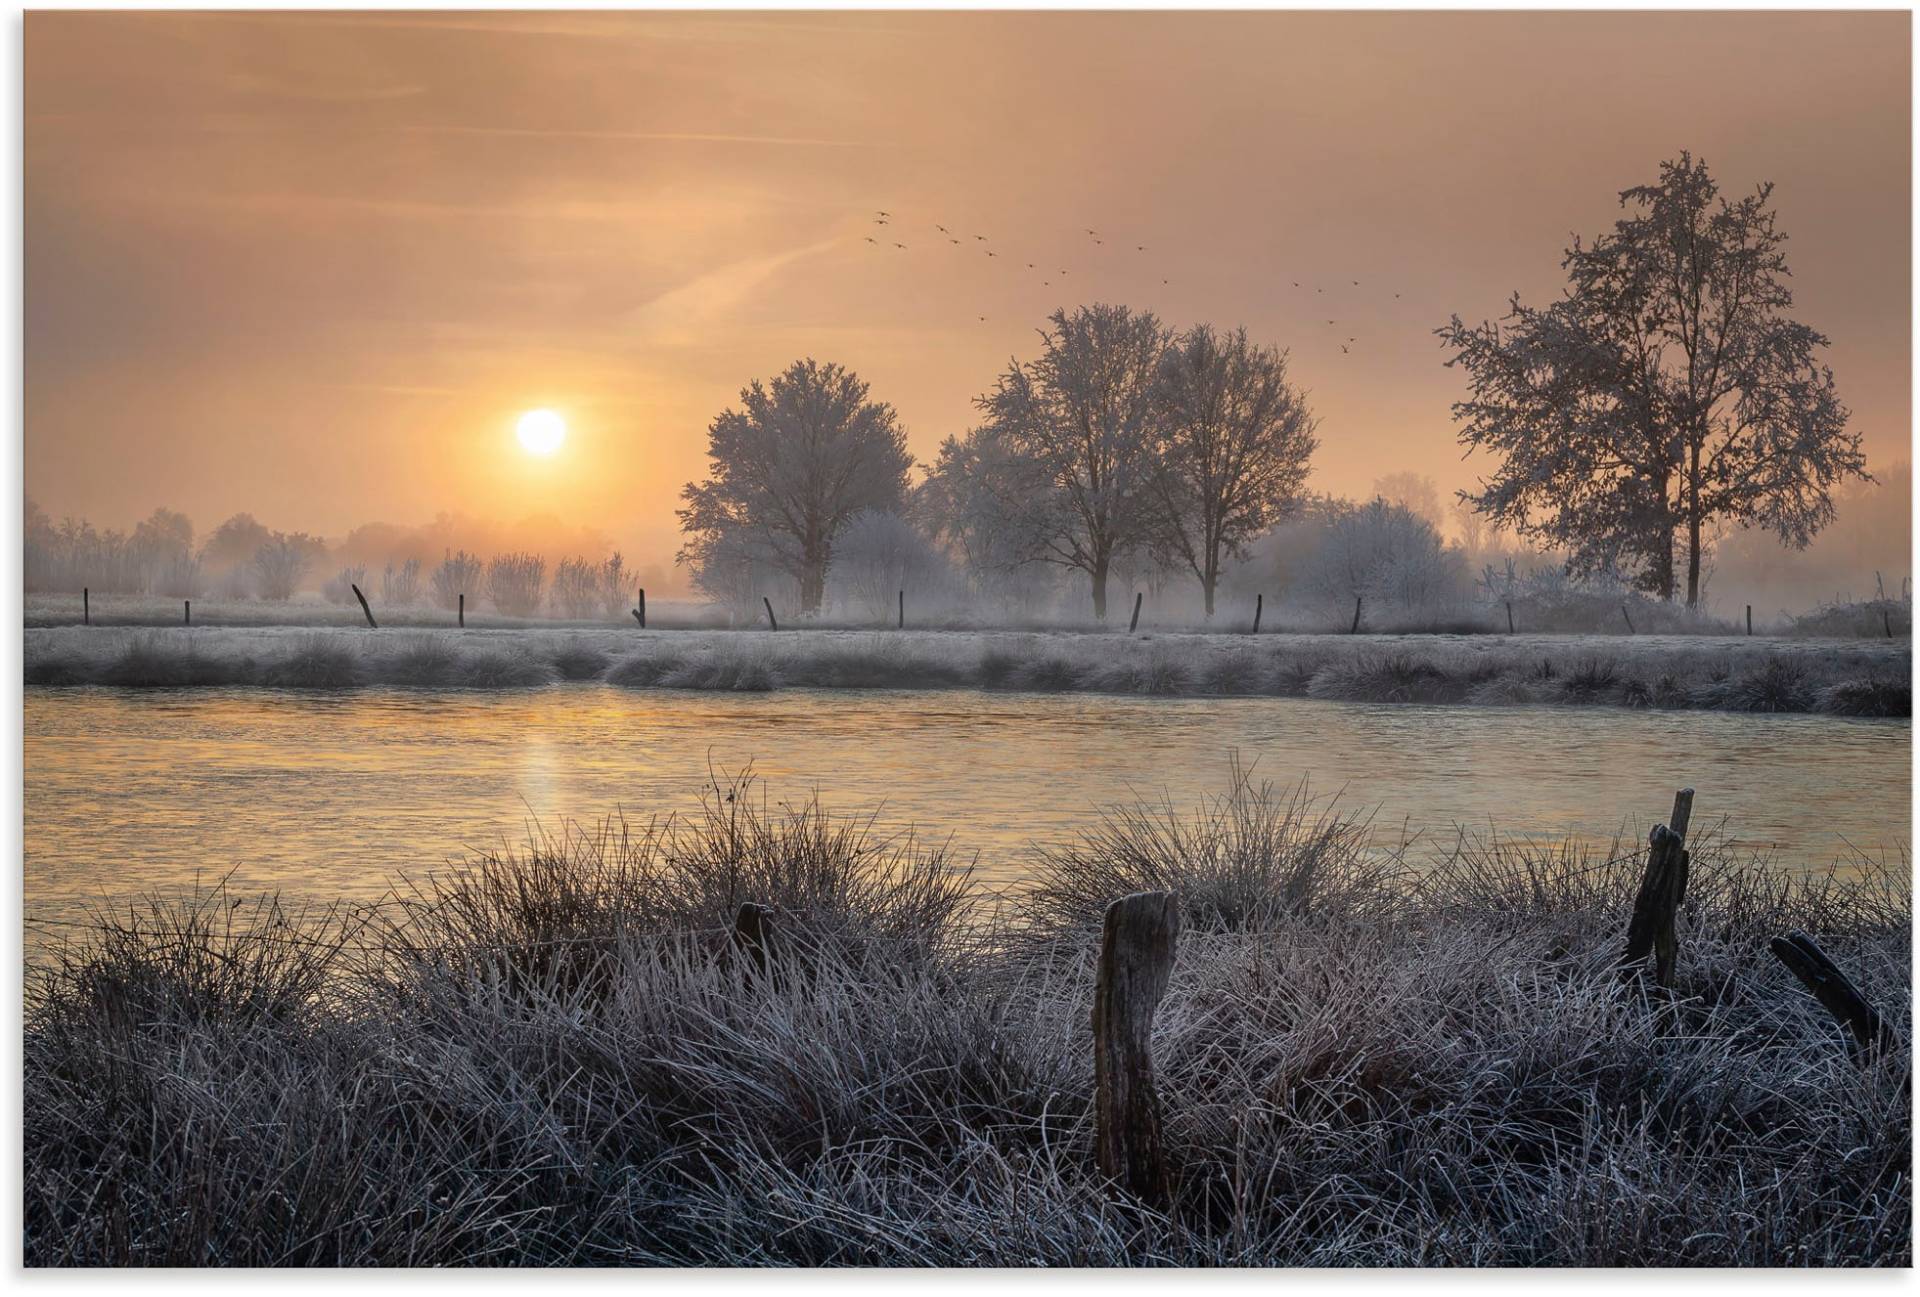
x,y
885,220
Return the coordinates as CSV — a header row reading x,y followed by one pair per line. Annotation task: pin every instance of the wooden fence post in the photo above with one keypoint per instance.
x,y
463,612
1886,619
187,619
1835,991
1749,619
363,605
1629,617
1138,595
771,619
1663,887
1355,628
903,610
753,932
1136,958
86,607
641,611
1259,604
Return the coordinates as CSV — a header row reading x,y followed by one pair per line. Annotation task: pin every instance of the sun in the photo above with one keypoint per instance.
x,y
541,432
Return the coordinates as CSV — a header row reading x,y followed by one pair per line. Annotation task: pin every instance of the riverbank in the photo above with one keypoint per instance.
x,y
1726,673
563,1056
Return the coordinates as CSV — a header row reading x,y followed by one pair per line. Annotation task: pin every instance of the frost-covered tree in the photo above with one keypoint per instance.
x,y
1080,424
515,583
459,573
878,556
791,467
281,562
1666,390
1233,440
1385,554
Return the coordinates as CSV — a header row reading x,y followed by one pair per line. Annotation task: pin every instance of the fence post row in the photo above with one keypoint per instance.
x,y
1137,948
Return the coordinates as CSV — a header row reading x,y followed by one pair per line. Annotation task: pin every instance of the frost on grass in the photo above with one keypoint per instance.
x,y
1861,678
557,1056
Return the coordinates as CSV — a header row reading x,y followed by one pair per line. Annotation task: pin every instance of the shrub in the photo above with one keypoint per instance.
x,y
515,583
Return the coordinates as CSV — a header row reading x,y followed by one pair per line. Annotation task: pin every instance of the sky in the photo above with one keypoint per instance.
x,y
315,265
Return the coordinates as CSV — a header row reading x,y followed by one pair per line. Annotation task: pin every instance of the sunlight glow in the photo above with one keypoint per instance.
x,y
541,432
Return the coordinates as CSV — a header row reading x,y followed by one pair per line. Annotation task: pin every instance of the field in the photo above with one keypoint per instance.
x,y
562,1056
1736,673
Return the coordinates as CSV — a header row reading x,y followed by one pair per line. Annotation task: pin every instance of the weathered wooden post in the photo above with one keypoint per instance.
x,y
463,612
1835,991
903,610
641,611
363,605
1509,616
86,607
1749,619
753,932
1886,619
771,619
637,617
1138,595
1355,628
1259,603
1629,617
187,615
1663,887
1136,958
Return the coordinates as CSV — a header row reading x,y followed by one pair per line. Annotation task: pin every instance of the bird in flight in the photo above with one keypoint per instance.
x,y
1343,349
1356,283
879,211
1396,295
1329,321
871,239
943,229
1093,231
900,245
954,241
1029,265
879,220
1139,247
1166,281
983,317
981,237
1296,283
1099,241
992,253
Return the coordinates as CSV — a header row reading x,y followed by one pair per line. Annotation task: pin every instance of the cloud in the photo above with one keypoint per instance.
x,y
687,313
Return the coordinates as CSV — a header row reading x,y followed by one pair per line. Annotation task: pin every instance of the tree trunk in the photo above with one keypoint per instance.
x,y
1207,584
1693,527
1693,562
1100,588
813,585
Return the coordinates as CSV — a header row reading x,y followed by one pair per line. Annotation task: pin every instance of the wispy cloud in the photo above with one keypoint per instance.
x,y
690,137
688,312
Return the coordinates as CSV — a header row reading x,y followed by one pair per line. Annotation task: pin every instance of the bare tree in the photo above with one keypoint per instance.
x,y
400,585
1414,492
801,457
1666,390
280,563
1083,418
515,583
613,587
576,587
1234,440
459,573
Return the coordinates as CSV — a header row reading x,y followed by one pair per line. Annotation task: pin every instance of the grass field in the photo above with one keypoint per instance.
x,y
556,1057
1737,673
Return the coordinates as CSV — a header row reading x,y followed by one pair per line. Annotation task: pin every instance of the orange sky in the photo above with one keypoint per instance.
x,y
312,265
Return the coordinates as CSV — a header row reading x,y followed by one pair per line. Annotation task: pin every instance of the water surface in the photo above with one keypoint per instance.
x,y
327,795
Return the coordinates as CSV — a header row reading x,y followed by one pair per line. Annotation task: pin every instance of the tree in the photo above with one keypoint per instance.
x,y
1083,418
281,561
1665,390
789,469
1414,492
1234,440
